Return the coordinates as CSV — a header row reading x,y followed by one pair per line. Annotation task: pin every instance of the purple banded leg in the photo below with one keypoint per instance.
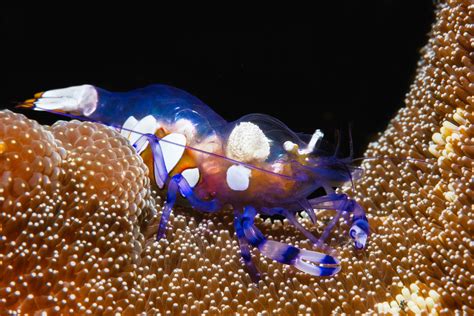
x,y
294,221
311,262
343,205
244,249
329,202
329,227
179,184
186,190
170,200
308,209
290,216
161,175
334,201
159,168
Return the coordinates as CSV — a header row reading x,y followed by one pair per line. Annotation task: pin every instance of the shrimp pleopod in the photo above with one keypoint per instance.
x,y
255,164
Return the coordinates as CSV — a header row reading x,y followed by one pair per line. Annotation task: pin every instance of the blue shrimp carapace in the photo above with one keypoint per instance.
x,y
256,164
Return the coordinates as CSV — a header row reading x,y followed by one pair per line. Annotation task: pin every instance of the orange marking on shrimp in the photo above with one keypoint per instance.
x,y
3,147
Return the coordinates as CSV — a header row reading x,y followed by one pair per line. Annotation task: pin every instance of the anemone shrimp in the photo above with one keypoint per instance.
x,y
255,164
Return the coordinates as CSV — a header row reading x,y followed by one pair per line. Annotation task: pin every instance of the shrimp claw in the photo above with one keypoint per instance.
x,y
344,206
311,262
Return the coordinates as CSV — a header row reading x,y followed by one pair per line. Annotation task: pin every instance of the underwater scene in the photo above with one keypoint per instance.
x,y
151,202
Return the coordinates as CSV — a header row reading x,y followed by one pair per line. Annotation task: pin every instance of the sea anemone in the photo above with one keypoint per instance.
x,y
77,236
74,197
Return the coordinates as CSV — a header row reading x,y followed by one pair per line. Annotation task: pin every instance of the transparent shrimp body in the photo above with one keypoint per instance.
x,y
255,164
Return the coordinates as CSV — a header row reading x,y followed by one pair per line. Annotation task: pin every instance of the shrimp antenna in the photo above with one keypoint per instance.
x,y
351,144
350,177
351,154
338,142
250,166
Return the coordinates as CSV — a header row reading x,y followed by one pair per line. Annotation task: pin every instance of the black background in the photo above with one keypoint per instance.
x,y
346,62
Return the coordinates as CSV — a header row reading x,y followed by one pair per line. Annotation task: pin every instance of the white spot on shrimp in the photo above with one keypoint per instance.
x,y
238,177
146,125
172,147
129,124
289,146
192,176
185,127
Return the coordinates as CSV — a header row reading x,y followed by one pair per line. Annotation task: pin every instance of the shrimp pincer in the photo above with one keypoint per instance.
x,y
255,164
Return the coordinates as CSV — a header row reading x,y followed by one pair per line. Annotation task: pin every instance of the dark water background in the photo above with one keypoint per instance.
x,y
341,63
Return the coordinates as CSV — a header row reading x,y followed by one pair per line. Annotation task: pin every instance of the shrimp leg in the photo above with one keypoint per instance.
x,y
244,249
359,231
159,168
290,216
170,200
311,262
177,183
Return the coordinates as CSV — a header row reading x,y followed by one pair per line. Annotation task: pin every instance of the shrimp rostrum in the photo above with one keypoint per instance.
x,y
256,164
